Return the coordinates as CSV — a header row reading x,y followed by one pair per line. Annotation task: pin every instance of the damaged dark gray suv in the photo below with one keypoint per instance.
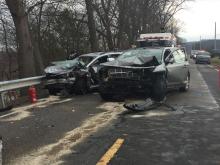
x,y
151,71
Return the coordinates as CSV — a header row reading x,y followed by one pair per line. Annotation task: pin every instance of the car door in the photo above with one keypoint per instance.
x,y
183,61
175,69
95,67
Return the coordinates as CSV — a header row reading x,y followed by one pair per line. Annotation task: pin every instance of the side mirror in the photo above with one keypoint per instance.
x,y
110,59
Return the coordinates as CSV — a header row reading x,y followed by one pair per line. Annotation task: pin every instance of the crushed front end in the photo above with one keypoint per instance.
x,y
60,77
126,80
131,73
59,81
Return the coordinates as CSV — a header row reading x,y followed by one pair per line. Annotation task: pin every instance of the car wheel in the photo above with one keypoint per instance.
x,y
106,96
81,87
185,88
88,85
53,91
70,90
159,88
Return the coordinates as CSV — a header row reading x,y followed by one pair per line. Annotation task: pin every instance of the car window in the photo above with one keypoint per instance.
x,y
203,53
166,54
114,55
183,55
179,57
85,60
101,60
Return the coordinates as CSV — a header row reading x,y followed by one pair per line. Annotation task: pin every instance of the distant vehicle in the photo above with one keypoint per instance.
x,y
156,39
215,52
78,75
193,54
203,57
145,70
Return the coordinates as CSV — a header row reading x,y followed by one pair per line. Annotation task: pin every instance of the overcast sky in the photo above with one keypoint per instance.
x,y
198,19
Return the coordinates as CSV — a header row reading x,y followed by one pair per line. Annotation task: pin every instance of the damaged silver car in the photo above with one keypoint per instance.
x,y
79,75
151,71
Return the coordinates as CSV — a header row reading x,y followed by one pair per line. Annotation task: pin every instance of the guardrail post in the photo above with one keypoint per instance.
x,y
2,101
1,147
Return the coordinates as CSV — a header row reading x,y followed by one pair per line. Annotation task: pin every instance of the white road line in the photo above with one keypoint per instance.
x,y
210,66
9,114
217,70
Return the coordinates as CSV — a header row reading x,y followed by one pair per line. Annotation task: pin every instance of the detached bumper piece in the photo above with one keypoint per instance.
x,y
147,106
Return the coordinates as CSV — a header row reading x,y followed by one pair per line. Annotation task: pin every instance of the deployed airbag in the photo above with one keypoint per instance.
x,y
138,61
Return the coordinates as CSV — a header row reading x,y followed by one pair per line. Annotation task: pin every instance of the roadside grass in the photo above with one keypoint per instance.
x,y
215,61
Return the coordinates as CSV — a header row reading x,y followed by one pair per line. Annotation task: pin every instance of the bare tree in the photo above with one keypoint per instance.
x,y
91,25
49,30
25,47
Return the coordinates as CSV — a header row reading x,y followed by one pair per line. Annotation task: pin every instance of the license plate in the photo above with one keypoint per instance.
x,y
55,81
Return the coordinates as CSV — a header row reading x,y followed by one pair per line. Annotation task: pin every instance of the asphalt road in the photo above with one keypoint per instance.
x,y
82,129
212,78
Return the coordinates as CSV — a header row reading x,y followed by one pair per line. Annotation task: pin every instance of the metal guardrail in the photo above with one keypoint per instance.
x,y
16,84
20,83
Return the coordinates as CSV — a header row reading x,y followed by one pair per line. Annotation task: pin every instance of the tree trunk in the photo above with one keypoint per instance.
x,y
38,59
122,4
91,26
9,68
25,47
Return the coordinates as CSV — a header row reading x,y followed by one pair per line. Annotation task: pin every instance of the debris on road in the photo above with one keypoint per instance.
x,y
147,105
52,153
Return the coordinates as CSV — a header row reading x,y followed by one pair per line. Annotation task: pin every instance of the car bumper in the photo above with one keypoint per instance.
x,y
59,83
203,60
126,86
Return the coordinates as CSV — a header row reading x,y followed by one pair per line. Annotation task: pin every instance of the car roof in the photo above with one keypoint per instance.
x,y
107,53
99,54
158,47
202,51
96,54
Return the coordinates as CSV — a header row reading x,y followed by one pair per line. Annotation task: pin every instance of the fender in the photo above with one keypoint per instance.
x,y
160,68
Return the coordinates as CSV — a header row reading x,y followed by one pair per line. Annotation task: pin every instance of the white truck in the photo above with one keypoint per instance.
x,y
157,39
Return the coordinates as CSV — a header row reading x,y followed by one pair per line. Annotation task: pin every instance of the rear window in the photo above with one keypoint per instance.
x,y
204,53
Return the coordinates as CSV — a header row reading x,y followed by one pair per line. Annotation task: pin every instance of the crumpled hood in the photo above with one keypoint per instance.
x,y
61,67
138,61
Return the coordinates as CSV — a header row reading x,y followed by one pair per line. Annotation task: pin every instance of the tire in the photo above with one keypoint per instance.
x,y
70,91
81,87
159,88
185,88
53,91
106,96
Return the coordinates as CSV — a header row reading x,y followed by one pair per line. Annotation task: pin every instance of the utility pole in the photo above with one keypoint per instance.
x,y
200,42
215,47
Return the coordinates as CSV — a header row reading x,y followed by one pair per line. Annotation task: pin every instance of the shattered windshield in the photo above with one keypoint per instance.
x,y
141,53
